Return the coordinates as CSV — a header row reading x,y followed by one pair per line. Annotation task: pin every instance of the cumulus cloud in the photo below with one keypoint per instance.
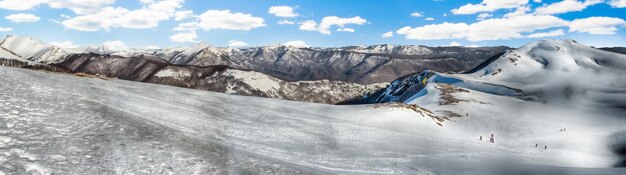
x,y
566,6
225,20
152,47
182,15
22,18
297,43
115,45
454,44
436,31
518,12
235,43
286,22
490,29
185,37
416,14
148,16
596,25
6,29
553,33
429,19
81,6
187,26
488,6
282,11
65,44
308,25
387,34
484,16
351,30
329,21
617,3
19,4
78,6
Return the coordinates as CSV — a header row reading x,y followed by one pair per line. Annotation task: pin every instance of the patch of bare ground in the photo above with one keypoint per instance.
x,y
422,111
446,96
80,74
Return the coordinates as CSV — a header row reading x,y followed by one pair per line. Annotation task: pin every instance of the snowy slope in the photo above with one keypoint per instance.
x,y
121,127
527,96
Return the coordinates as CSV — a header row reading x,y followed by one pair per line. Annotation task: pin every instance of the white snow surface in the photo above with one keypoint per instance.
x,y
258,80
61,124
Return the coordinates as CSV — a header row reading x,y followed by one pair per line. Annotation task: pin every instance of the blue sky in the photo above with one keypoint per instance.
x,y
240,23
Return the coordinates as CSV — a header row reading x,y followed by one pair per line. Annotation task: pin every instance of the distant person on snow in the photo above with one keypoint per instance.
x,y
481,137
545,147
535,145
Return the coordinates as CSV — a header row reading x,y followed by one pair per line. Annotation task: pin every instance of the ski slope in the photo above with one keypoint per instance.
x,y
61,124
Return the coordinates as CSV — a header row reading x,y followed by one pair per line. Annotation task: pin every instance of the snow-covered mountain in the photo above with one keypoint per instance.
x,y
541,71
295,73
558,94
359,64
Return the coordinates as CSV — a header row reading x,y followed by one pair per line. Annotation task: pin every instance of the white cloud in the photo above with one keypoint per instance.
x,y
182,15
518,12
454,43
115,45
78,6
429,19
387,34
65,44
148,16
6,29
553,33
566,6
490,29
507,28
297,43
329,21
152,47
225,20
617,3
186,37
404,30
286,22
473,45
81,7
351,30
488,6
282,11
22,18
596,25
187,26
436,31
235,43
308,25
484,16
416,14
19,4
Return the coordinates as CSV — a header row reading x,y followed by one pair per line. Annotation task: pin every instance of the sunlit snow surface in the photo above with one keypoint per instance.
x,y
61,124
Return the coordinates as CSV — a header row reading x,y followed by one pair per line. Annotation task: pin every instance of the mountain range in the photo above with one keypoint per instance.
x,y
323,75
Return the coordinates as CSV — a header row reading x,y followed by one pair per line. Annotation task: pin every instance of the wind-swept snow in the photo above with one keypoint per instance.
x,y
61,124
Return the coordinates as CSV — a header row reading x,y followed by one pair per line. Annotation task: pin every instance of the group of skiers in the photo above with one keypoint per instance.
x,y
491,139
544,146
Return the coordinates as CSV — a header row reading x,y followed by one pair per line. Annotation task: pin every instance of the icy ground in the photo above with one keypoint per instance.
x,y
61,124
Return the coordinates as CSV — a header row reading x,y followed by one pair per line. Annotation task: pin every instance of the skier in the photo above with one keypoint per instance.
x,y
545,147
535,145
481,138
